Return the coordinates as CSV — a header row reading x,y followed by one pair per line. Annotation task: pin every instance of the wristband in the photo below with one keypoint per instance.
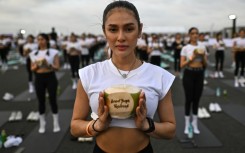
x,y
151,125
93,126
87,129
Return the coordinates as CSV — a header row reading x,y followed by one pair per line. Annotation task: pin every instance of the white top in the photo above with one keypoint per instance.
x,y
188,50
31,46
84,47
240,42
43,54
153,80
75,45
220,45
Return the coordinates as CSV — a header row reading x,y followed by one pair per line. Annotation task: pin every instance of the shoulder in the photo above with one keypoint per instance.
x,y
98,66
53,51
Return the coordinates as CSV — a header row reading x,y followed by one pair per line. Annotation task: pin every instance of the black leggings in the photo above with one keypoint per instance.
x,y
193,87
147,149
177,61
4,54
28,68
156,60
47,81
85,60
240,59
219,60
74,62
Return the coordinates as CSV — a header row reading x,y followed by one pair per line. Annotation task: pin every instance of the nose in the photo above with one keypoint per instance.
x,y
121,36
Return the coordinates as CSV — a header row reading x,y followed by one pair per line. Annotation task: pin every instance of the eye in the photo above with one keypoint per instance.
x,y
129,29
112,29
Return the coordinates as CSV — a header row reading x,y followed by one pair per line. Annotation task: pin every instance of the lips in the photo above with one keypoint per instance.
x,y
122,47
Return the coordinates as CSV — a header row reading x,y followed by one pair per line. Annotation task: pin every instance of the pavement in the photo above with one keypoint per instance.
x,y
228,130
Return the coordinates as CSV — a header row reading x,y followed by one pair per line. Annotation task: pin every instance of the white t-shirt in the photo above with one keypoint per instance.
x,y
84,47
240,42
75,45
220,45
153,80
188,50
43,54
31,46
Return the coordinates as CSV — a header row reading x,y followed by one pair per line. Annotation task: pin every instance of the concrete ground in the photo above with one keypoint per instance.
x,y
227,130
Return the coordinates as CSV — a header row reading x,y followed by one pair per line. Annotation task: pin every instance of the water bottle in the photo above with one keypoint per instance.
x,y
225,92
218,92
3,136
190,132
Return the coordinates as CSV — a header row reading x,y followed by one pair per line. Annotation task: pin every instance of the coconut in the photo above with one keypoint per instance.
x,y
122,100
199,51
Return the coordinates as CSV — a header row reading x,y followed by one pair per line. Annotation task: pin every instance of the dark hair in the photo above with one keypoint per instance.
x,y
192,28
242,29
46,37
120,4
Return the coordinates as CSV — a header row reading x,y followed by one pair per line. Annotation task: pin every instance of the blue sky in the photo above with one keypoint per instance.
x,y
85,15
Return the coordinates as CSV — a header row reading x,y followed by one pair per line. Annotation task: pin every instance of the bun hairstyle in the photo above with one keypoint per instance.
x,y
120,4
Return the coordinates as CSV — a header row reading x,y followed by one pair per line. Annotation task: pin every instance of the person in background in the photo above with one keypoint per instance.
x,y
177,46
44,63
193,60
122,28
29,47
220,47
239,51
73,48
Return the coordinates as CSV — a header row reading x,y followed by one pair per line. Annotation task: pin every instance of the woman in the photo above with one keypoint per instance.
x,y
44,63
177,46
155,49
142,46
121,26
239,51
193,59
73,48
219,46
27,49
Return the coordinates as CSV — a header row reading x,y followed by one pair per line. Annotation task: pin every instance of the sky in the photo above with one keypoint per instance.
x,y
80,16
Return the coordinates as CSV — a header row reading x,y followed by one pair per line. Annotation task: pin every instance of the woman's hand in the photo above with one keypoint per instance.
x,y
103,113
141,112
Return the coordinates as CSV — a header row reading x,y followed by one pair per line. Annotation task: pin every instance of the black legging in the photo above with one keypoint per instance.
x,y
3,54
177,60
74,62
193,87
219,60
28,68
85,60
147,149
240,59
156,60
49,82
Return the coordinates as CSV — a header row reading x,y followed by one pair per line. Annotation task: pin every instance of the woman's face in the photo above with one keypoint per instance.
x,y
122,31
42,42
193,35
242,33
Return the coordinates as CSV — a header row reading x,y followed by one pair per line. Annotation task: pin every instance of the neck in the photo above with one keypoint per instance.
x,y
125,64
193,43
43,48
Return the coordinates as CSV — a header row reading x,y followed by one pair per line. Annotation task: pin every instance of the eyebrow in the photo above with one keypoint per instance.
x,y
114,25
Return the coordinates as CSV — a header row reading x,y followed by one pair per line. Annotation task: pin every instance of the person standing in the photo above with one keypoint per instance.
x,y
73,48
177,46
219,46
122,28
239,51
44,63
193,60
29,47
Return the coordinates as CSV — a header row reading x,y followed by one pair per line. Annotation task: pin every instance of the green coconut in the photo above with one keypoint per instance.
x,y
122,100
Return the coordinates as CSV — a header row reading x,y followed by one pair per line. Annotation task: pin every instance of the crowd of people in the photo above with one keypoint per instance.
x,y
127,51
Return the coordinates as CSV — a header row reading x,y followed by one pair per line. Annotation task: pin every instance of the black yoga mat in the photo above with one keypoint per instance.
x,y
49,141
205,139
68,94
235,111
4,116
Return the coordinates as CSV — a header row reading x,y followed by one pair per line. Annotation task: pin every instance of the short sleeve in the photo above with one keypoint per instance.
x,y
167,81
183,52
84,78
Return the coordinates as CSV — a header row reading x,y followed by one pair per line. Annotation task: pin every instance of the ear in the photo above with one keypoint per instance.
x,y
140,30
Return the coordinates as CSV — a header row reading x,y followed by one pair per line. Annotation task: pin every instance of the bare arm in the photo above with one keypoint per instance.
x,y
167,125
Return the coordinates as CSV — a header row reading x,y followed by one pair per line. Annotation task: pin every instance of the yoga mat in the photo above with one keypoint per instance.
x,y
235,111
207,91
49,141
205,139
231,84
4,116
68,94
26,96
